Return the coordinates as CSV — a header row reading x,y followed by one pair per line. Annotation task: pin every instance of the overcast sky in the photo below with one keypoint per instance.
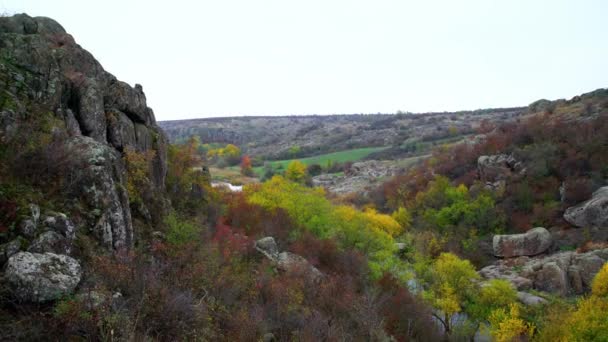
x,y
225,57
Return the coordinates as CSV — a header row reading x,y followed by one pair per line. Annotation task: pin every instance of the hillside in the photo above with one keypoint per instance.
x,y
489,225
273,137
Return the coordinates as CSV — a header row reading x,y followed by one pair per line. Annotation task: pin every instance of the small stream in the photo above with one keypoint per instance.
x,y
233,188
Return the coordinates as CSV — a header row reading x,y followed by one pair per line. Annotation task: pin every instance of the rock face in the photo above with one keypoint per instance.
x,y
360,176
533,242
290,262
563,273
286,261
498,167
591,213
530,299
45,74
268,247
35,277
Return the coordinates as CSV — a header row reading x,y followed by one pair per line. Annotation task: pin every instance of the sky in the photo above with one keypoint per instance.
x,y
284,57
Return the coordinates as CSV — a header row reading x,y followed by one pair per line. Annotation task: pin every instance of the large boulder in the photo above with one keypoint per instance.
x,y
591,213
268,247
533,242
9,249
552,278
35,277
530,299
286,261
293,263
498,167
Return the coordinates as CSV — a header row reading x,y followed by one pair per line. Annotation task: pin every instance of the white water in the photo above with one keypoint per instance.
x,y
233,188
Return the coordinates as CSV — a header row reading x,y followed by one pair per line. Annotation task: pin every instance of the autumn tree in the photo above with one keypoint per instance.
x,y
296,171
187,177
246,169
506,325
452,284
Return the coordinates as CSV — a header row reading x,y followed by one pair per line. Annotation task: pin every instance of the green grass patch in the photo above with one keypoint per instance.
x,y
324,159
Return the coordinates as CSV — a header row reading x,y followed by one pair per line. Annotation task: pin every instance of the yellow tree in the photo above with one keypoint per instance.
x,y
453,282
296,171
506,326
590,320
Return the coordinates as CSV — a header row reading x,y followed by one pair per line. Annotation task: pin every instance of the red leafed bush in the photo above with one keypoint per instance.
x,y
325,255
230,241
257,222
406,317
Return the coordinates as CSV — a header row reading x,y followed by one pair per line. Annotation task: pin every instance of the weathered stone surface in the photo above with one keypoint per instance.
x,y
588,264
563,273
27,228
591,213
29,225
41,64
60,223
286,261
552,278
533,242
290,262
358,178
498,167
9,249
50,242
131,101
507,273
268,247
121,131
39,278
99,177
530,299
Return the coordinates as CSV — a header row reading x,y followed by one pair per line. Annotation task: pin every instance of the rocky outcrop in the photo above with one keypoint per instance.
x,y
94,117
292,263
50,242
591,213
268,247
563,273
530,299
35,277
286,261
359,177
28,225
499,167
9,249
100,179
533,242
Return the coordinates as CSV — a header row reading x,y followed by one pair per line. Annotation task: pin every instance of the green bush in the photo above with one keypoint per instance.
x,y
181,232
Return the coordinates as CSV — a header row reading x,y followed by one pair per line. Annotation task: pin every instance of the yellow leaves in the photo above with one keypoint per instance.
x,y
403,217
507,326
296,171
497,292
383,222
447,301
138,169
590,320
369,232
229,151
456,272
600,282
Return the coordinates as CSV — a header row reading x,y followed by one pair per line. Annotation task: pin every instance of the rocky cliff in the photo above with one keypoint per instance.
x,y
49,83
